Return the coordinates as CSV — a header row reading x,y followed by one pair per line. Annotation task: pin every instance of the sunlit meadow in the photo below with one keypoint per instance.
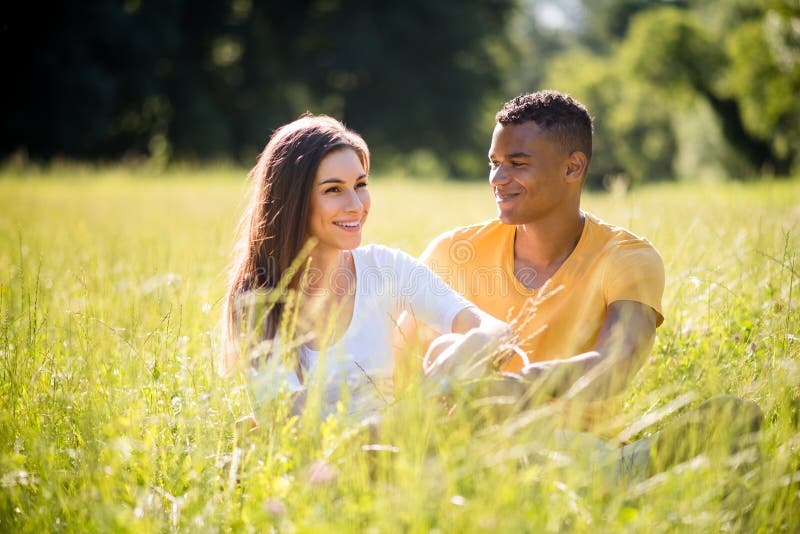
x,y
113,418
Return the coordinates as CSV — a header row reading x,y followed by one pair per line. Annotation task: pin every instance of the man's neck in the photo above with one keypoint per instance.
x,y
546,244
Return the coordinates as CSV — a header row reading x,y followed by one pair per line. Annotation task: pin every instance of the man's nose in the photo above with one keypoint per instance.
x,y
498,176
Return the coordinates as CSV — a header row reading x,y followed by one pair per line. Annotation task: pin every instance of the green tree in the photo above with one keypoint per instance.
x,y
102,78
657,73
633,133
408,74
736,73
765,81
606,22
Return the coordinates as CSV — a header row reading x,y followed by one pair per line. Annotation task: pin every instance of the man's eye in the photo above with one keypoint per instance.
x,y
493,164
517,164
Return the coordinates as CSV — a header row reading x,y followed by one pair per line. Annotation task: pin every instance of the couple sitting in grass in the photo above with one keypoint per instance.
x,y
547,300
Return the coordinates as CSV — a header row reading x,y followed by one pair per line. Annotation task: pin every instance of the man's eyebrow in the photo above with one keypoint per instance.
x,y
515,155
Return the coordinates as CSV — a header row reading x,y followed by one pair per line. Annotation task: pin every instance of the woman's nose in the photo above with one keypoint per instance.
x,y
354,202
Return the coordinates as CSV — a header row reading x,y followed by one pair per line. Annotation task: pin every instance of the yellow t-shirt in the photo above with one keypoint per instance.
x,y
563,317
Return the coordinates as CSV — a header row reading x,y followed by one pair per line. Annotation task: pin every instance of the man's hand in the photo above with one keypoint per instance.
x,y
622,345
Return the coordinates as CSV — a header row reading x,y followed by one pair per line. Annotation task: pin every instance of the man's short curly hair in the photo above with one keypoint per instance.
x,y
566,119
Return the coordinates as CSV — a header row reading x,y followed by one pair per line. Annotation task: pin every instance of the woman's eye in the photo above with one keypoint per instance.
x,y
361,185
332,190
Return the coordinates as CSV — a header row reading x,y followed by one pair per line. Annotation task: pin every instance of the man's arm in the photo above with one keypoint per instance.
x,y
624,341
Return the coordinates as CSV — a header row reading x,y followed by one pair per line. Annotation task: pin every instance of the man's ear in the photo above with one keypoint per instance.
x,y
577,162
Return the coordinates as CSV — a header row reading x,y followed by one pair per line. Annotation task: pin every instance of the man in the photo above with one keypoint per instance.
x,y
583,296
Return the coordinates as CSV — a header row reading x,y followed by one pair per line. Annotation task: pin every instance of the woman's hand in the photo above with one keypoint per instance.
x,y
479,341
431,363
463,357
454,355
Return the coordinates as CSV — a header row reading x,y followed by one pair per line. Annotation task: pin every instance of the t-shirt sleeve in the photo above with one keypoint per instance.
x,y
425,295
635,271
437,258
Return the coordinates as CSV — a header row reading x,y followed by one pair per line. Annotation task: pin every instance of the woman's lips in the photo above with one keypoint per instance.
x,y
349,226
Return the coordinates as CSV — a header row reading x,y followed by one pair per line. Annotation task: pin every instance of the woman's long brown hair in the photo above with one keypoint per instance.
x,y
273,227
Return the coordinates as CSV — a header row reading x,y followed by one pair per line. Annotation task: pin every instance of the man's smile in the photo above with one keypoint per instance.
x,y
504,196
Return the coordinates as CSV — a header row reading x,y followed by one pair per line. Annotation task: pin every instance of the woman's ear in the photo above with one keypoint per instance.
x,y
577,163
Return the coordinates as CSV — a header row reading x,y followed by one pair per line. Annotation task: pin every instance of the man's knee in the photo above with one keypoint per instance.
x,y
722,425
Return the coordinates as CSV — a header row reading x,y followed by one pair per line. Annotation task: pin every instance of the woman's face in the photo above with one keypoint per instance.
x,y
339,201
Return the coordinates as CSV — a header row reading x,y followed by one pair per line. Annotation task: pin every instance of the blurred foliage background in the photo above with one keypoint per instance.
x,y
692,90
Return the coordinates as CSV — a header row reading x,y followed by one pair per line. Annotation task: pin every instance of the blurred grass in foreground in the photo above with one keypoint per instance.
x,y
112,416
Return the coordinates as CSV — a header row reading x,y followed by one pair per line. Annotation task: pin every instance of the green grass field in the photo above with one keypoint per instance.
x,y
112,417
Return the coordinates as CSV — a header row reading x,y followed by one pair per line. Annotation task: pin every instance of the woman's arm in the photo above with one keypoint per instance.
x,y
471,334
473,317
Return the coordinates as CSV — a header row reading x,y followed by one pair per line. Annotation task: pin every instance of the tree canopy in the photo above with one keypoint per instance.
x,y
680,88
677,88
103,78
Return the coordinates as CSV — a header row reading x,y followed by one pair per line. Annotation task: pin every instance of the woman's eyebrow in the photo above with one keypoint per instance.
x,y
331,181
339,180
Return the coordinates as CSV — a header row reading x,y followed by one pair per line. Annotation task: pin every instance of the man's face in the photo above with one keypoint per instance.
x,y
527,173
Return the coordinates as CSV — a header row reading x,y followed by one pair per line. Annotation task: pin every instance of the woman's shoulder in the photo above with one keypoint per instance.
x,y
381,255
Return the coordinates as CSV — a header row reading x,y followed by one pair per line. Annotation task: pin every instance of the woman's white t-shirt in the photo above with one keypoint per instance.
x,y
388,282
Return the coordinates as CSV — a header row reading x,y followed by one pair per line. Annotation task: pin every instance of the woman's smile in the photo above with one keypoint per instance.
x,y
353,226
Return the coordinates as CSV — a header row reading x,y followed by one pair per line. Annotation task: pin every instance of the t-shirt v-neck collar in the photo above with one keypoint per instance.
x,y
508,259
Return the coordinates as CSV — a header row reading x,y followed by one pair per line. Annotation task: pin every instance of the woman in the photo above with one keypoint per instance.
x,y
305,301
